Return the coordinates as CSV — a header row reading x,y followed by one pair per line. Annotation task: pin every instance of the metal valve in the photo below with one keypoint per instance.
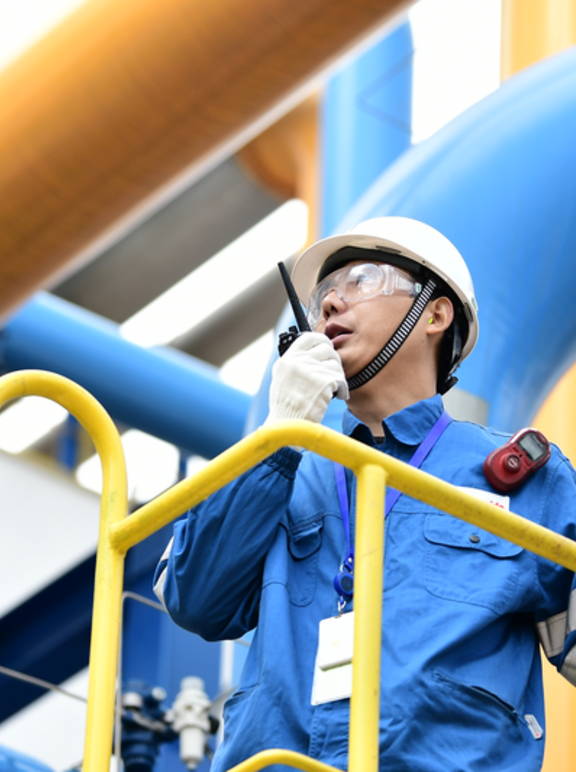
x,y
145,726
191,720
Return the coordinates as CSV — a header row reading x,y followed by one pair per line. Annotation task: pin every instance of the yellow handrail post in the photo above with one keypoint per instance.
x,y
368,577
104,639
110,561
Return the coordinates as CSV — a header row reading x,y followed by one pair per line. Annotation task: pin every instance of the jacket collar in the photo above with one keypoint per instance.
x,y
408,426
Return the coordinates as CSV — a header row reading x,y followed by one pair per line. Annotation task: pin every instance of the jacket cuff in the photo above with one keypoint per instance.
x,y
286,461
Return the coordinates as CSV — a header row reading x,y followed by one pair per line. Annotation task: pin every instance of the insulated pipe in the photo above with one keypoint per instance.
x,y
124,104
160,391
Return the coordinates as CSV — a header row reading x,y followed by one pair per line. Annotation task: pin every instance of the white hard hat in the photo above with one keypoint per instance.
x,y
404,237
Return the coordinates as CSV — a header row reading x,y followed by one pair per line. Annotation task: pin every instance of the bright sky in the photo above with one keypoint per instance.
x,y
23,22
456,59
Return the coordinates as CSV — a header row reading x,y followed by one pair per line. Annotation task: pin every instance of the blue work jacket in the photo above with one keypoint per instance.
x,y
463,610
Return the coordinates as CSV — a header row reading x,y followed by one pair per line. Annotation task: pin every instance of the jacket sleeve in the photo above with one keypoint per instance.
x,y
210,575
557,625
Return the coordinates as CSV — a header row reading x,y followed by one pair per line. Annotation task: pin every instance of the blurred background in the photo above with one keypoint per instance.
x,y
156,161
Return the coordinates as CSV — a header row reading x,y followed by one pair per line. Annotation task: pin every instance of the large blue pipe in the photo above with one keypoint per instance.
x,y
160,391
500,182
366,123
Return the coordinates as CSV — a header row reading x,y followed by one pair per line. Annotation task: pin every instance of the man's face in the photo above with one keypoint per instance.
x,y
359,328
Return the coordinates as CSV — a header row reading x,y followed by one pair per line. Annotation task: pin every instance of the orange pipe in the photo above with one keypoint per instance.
x,y
284,159
123,96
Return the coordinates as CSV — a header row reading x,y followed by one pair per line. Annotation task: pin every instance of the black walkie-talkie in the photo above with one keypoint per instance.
x,y
286,339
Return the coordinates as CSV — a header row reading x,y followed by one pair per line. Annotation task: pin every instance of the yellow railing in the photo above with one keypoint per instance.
x,y
373,471
109,562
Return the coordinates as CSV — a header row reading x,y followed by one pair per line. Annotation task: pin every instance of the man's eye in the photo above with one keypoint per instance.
x,y
358,280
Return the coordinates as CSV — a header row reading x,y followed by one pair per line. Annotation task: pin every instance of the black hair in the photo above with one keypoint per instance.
x,y
452,341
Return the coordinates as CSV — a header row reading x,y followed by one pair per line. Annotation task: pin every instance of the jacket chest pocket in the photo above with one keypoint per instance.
x,y
466,564
293,561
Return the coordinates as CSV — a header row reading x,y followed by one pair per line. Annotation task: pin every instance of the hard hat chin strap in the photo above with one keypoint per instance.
x,y
403,331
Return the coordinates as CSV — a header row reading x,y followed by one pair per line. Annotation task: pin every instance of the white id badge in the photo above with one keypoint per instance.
x,y
333,667
503,502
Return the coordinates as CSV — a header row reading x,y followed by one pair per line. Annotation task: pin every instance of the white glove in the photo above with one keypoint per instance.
x,y
305,378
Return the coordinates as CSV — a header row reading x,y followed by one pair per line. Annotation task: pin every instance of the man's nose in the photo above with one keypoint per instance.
x,y
333,303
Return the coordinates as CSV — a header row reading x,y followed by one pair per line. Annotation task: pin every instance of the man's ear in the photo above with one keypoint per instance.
x,y
440,314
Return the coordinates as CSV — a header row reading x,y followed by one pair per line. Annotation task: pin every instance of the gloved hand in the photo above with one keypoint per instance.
x,y
305,378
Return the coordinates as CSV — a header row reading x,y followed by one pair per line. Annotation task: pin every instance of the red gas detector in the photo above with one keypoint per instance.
x,y
507,468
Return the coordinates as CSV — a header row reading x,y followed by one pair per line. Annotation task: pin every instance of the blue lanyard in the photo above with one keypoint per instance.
x,y
344,581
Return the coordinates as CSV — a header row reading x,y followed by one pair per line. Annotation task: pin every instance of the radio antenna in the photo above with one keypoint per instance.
x,y
299,314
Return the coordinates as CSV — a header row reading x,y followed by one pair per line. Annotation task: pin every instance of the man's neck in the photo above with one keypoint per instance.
x,y
384,395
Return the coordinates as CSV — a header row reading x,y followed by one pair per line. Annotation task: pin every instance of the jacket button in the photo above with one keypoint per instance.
x,y
474,538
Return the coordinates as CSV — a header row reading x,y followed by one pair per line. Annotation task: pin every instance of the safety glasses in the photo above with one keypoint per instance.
x,y
357,282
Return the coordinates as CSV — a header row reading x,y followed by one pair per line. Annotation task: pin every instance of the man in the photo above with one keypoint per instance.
x,y
392,309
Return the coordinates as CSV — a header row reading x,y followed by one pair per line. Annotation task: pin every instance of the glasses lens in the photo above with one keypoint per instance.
x,y
360,281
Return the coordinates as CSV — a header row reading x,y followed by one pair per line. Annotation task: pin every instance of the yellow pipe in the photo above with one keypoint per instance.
x,y
364,742
330,444
110,562
364,462
288,758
